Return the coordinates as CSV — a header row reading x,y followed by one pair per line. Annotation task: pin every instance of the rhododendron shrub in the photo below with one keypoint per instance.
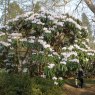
x,y
45,44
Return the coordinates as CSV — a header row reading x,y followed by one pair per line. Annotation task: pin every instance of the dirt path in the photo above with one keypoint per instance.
x,y
70,90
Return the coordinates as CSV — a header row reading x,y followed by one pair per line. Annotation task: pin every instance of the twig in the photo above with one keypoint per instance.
x,y
78,5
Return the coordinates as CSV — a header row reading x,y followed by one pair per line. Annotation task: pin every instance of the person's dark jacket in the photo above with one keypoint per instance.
x,y
80,74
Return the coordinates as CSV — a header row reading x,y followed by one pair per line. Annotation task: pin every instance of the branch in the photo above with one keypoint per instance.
x,y
62,4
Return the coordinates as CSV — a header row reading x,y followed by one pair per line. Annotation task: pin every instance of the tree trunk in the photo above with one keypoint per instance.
x,y
8,9
90,5
5,12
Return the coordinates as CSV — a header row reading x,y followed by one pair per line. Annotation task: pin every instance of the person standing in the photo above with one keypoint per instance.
x,y
80,77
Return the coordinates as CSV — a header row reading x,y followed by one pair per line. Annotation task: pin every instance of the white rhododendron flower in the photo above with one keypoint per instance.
x,y
60,78
24,62
60,23
42,52
50,49
24,39
87,59
82,49
47,46
77,25
5,43
87,40
25,70
32,37
70,48
74,60
55,53
50,55
46,30
50,17
9,40
83,43
91,54
84,27
16,35
51,66
54,78
65,59
2,34
40,23
55,21
76,40
41,37
40,41
55,83
43,76
64,48
62,62
68,54
31,41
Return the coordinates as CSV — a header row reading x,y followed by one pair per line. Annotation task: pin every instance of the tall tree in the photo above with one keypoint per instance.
x,y
13,10
86,23
37,7
3,8
9,9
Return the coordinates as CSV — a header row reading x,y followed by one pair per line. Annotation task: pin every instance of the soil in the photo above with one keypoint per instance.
x,y
72,90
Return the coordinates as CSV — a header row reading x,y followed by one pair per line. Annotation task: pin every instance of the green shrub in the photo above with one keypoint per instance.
x,y
22,84
14,84
42,86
